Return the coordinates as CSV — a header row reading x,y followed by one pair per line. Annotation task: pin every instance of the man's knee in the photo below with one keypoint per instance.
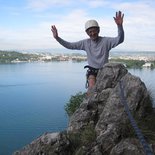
x,y
91,80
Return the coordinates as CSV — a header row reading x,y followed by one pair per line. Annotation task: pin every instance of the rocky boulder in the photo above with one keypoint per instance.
x,y
100,126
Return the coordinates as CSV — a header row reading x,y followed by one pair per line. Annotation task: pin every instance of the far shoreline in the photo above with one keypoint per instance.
x,y
130,59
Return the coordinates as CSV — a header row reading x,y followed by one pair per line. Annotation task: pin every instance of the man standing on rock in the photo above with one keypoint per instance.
x,y
96,47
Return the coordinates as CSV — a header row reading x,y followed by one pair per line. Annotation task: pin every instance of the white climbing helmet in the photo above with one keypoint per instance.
x,y
91,23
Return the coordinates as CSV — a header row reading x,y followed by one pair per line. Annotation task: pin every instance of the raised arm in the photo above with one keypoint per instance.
x,y
70,45
54,31
119,18
114,41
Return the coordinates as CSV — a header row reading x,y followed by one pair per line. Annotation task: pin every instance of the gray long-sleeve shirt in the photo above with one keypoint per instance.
x,y
97,51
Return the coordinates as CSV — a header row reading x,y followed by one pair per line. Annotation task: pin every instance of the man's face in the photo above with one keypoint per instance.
x,y
93,33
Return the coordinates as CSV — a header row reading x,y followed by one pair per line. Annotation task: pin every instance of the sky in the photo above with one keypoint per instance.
x,y
26,24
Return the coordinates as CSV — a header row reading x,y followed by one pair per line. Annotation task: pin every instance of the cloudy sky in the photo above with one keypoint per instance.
x,y
26,24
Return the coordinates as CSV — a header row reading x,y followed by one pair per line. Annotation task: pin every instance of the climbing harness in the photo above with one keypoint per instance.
x,y
90,71
138,132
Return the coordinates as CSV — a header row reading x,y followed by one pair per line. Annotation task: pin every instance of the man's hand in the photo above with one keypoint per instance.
x,y
54,31
119,18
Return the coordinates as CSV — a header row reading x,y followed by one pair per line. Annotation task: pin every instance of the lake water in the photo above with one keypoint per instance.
x,y
33,95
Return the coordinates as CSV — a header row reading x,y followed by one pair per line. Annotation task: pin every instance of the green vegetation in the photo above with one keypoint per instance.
x,y
10,57
74,103
145,123
153,64
133,63
87,135
13,56
83,138
130,63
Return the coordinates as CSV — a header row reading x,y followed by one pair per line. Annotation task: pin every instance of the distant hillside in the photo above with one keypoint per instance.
x,y
13,56
16,57
128,61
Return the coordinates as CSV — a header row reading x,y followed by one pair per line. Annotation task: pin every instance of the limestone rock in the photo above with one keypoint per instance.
x,y
47,144
100,126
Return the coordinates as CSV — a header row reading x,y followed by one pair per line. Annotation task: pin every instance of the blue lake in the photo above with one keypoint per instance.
x,y
33,95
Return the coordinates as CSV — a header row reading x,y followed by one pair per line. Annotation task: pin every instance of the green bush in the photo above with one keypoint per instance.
x,y
88,135
82,139
130,63
74,103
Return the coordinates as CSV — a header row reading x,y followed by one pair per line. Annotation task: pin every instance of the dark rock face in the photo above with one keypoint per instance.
x,y
102,118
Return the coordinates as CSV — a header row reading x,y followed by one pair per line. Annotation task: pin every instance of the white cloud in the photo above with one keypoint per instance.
x,y
97,3
138,24
71,26
25,38
41,5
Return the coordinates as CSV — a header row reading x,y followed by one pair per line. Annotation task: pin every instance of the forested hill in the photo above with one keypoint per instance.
x,y
128,61
13,56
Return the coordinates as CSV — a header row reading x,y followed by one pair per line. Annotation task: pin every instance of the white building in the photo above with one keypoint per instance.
x,y
147,64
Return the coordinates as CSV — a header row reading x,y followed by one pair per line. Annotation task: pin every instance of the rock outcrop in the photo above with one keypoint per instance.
x,y
100,126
